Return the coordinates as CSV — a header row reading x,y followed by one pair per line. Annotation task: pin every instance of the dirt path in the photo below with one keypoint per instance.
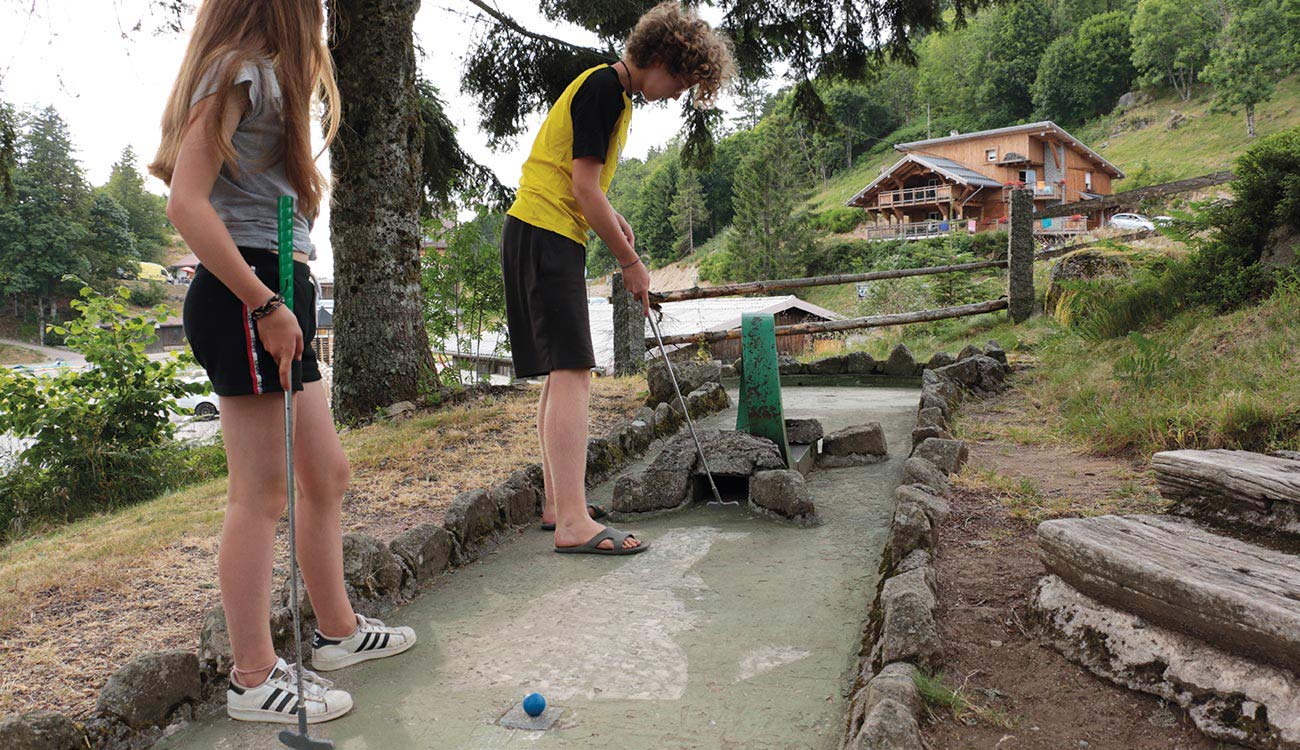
x,y
1020,694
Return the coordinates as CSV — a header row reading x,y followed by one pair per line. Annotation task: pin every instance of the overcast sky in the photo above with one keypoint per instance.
x,y
110,83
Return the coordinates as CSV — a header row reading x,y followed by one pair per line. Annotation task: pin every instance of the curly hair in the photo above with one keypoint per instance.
x,y
678,39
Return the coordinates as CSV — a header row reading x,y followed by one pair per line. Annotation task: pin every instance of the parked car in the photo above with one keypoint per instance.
x,y
1130,221
201,405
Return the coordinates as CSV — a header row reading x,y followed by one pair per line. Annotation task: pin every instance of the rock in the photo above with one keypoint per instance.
x,y
826,366
940,359
215,656
931,418
739,366
787,365
921,433
471,517
1082,265
993,350
399,408
1176,120
860,363
601,459
949,455
515,500
922,560
896,682
888,726
865,439
370,569
733,453
944,388
40,730
537,478
707,399
911,529
901,363
1229,697
148,689
783,492
1232,488
936,508
666,482
426,549
970,350
1128,100
727,371
992,374
645,414
908,631
642,434
666,420
690,376
964,372
922,471
803,431
630,496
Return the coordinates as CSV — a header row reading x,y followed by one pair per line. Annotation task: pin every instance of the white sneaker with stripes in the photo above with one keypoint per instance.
x,y
371,640
278,700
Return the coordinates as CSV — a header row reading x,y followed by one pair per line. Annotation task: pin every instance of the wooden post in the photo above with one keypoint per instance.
x,y
1020,256
629,329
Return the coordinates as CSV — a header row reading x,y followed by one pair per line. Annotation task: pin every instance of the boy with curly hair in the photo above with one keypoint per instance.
x,y
543,245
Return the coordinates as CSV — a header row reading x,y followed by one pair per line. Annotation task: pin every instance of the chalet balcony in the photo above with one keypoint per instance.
x,y
918,196
1042,190
916,230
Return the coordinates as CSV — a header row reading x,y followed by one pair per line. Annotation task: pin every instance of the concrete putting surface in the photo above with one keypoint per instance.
x,y
731,632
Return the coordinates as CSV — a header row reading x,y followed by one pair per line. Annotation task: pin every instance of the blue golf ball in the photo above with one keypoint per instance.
x,y
534,704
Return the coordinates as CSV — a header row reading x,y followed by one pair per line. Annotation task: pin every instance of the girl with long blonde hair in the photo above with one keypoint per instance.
x,y
236,135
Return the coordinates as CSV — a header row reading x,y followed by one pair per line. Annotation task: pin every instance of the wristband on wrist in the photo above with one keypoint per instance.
x,y
626,266
267,307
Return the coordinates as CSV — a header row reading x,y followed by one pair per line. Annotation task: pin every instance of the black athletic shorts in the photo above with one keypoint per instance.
x,y
546,300
224,337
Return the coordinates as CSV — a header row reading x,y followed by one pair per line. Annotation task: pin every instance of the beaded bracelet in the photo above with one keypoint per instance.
x,y
267,307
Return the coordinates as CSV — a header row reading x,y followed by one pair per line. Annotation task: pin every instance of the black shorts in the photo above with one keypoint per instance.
x,y
224,337
546,300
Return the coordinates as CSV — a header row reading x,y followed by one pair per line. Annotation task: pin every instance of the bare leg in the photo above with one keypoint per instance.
x,y
548,507
565,441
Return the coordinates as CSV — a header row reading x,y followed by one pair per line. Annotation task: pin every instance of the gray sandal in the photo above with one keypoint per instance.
x,y
615,537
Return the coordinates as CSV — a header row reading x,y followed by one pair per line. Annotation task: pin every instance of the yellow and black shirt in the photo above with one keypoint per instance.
x,y
589,119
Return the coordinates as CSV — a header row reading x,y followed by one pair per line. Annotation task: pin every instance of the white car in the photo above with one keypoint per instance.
x,y
1131,221
201,405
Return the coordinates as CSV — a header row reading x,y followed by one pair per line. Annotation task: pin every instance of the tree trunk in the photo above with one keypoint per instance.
x,y
1250,120
382,350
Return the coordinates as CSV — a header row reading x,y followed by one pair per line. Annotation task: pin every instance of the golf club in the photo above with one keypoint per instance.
x,y
298,740
717,497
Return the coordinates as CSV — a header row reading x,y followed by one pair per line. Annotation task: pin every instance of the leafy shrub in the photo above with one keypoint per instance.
x,y
1150,362
102,437
150,294
839,220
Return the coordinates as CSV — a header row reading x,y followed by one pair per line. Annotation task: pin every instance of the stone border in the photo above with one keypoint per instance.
x,y
901,634
145,698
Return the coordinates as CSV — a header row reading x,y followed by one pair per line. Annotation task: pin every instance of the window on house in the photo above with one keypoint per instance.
x,y
1087,181
935,216
991,154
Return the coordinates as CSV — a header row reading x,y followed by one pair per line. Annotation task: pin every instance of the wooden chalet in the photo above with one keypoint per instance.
x,y
962,182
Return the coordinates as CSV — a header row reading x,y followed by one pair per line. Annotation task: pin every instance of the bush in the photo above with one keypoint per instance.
x,y
839,220
150,294
102,437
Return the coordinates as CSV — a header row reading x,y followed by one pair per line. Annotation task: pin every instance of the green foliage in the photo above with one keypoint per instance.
x,y
1084,73
771,239
101,436
690,213
150,295
146,213
110,245
1172,40
652,219
448,175
1244,65
839,220
464,293
1147,364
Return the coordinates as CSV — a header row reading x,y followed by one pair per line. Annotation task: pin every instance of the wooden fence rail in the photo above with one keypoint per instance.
x,y
1134,197
753,287
829,326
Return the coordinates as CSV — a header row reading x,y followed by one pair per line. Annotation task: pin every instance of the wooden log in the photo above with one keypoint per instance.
x,y
756,287
1134,197
872,321
1240,597
1235,487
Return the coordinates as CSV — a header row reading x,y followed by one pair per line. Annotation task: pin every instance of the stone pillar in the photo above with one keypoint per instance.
x,y
629,329
1020,256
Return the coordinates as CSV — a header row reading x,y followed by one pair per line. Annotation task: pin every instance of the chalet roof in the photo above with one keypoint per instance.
x,y
953,170
1044,127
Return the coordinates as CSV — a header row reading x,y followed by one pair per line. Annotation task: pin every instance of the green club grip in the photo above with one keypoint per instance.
x,y
285,226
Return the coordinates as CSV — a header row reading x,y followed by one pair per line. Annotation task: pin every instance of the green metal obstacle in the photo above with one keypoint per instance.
x,y
760,411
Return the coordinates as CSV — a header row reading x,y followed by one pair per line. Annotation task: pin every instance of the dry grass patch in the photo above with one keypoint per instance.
x,y
78,602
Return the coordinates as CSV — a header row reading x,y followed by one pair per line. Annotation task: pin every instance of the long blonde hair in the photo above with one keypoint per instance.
x,y
286,32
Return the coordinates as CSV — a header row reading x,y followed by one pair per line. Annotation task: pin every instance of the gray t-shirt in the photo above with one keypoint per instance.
x,y
249,204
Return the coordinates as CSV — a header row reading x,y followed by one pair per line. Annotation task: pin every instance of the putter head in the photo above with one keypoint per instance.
x,y
292,739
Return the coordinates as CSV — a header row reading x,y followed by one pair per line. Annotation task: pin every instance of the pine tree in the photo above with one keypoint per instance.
x,y
689,212
146,212
653,218
110,245
769,240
